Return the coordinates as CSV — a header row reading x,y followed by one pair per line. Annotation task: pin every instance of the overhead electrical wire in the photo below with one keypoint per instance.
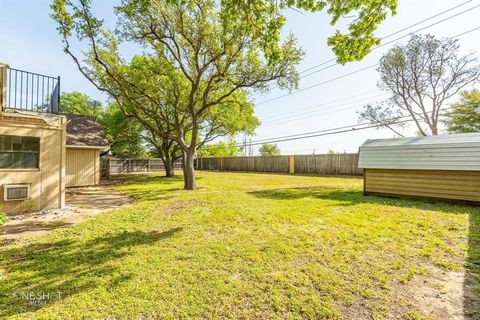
x,y
327,104
404,36
374,65
350,128
324,132
399,31
315,111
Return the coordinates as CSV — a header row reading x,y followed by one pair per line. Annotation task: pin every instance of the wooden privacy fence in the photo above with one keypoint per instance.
x,y
321,164
116,165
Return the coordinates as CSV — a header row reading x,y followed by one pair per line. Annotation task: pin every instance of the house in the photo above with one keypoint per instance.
x,y
445,167
41,151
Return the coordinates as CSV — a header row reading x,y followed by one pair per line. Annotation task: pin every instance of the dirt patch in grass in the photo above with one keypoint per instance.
x,y
439,294
81,203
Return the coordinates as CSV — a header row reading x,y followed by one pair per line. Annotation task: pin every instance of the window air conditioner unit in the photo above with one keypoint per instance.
x,y
13,192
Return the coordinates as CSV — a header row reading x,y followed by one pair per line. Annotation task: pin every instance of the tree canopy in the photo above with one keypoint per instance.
x,y
269,150
465,114
220,149
124,133
80,104
265,19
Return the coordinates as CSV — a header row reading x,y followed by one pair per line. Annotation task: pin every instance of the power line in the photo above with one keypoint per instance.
x,y
287,116
318,84
399,31
325,132
404,36
315,112
357,71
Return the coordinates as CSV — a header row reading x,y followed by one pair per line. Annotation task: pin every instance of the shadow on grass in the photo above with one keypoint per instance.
x,y
349,197
129,178
32,226
67,266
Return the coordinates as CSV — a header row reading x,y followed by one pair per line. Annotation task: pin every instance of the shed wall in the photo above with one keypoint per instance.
x,y
82,167
438,184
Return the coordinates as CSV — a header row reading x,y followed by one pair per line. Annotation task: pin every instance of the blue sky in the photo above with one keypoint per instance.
x,y
29,41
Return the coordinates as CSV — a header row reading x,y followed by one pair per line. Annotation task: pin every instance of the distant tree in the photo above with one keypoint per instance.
x,y
80,104
124,133
331,151
269,150
421,77
227,148
465,114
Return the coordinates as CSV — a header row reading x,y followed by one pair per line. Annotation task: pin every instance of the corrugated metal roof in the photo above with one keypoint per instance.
x,y
422,141
442,152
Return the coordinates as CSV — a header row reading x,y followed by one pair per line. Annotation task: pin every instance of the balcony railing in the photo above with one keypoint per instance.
x,y
28,91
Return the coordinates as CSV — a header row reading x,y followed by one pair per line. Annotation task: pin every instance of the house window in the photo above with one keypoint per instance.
x,y
18,152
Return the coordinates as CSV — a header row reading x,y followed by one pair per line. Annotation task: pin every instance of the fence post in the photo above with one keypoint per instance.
x,y
291,164
108,168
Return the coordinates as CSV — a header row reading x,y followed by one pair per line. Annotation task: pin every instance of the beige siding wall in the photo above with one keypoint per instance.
x,y
47,183
439,184
83,167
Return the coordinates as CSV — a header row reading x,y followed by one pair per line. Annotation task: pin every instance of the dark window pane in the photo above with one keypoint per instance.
x,y
17,162
5,143
30,160
5,160
19,152
17,143
31,144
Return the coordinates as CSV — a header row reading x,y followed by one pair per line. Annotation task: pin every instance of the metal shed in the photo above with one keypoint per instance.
x,y
445,167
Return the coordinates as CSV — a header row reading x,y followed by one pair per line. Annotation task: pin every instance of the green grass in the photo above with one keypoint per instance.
x,y
242,246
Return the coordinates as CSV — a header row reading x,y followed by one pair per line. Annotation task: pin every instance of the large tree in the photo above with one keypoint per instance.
x,y
465,114
421,77
124,133
203,64
80,104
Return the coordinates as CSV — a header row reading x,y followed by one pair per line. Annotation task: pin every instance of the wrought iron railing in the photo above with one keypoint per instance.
x,y
30,91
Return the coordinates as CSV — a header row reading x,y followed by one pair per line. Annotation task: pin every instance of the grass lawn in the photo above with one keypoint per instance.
x,y
244,246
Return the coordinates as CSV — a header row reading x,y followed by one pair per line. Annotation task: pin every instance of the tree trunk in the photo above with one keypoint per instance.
x,y
168,163
188,172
